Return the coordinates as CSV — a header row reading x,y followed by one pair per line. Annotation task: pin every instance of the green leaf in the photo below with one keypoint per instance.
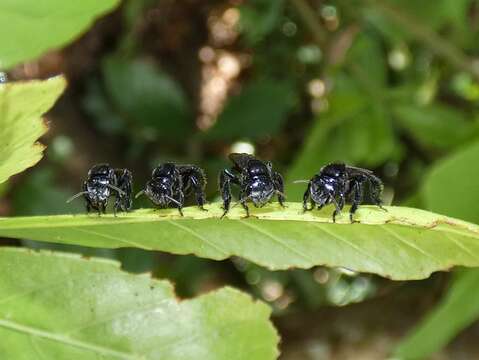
x,y
147,97
65,307
458,309
433,14
259,18
452,187
435,126
21,105
437,13
32,27
259,110
368,59
401,243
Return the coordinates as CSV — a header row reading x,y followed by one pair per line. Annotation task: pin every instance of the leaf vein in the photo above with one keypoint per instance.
x,y
201,237
408,243
461,246
351,244
278,241
111,237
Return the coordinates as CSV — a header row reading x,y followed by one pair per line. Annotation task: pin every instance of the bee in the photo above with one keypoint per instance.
x,y
103,182
256,179
336,183
170,183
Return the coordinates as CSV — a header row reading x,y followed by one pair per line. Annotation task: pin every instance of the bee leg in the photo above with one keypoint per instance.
x,y
124,182
306,197
226,178
357,198
243,204
278,185
181,201
199,187
376,187
338,205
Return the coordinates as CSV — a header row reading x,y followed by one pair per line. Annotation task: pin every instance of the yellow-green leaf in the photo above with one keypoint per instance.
x,y
21,107
402,243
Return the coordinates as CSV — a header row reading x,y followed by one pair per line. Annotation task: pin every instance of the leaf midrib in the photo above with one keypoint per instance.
x,y
274,213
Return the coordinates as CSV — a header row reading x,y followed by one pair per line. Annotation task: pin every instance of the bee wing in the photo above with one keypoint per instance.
x,y
240,160
358,171
192,175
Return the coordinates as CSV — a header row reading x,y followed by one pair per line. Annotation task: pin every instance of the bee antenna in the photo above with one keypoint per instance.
x,y
139,194
76,196
120,191
300,181
171,199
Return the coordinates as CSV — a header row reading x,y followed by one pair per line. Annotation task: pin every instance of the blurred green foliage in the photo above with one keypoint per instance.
x,y
452,185
259,111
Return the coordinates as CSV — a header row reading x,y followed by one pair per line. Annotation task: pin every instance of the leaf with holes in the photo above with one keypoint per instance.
x,y
402,243
65,307
21,106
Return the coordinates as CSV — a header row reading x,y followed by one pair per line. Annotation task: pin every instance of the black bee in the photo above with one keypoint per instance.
x,y
170,183
336,183
124,181
103,181
256,179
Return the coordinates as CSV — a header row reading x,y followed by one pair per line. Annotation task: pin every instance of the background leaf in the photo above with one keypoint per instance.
x,y
258,111
458,309
401,244
64,307
451,187
21,105
38,26
434,126
259,18
147,97
460,306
